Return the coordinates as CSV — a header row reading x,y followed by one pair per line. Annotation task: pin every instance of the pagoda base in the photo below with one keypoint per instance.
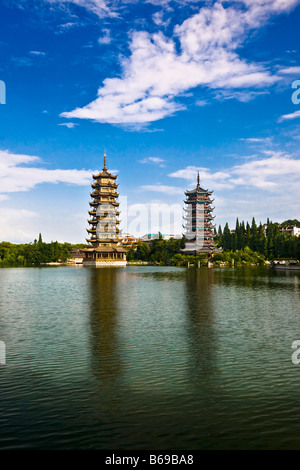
x,y
104,263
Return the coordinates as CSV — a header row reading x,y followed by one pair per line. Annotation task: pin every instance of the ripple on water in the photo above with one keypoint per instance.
x,y
150,357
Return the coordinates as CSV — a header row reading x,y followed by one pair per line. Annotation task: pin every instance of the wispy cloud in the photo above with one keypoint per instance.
x,y
101,8
218,180
276,172
160,188
289,117
153,160
22,173
290,70
37,53
257,140
69,125
157,72
106,37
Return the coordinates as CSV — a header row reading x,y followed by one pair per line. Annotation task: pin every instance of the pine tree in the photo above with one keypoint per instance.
x,y
226,237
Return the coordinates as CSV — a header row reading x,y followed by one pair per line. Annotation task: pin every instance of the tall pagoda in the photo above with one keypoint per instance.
x,y
198,221
105,247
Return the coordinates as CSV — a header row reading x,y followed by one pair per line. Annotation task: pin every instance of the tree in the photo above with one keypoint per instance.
x,y
226,237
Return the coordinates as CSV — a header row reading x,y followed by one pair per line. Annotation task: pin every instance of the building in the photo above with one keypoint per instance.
x,y
105,243
128,240
289,230
77,257
198,222
292,230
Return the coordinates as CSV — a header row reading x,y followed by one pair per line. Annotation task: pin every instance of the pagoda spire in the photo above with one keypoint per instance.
x,y
104,168
198,180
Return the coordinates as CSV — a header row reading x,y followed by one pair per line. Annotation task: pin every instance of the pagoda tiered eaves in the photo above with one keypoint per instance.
x,y
105,247
199,229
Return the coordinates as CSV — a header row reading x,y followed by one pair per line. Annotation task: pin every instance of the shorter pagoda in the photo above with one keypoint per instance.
x,y
105,244
198,222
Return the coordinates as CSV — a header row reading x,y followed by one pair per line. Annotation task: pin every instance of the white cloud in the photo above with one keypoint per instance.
x,y
263,187
37,53
15,176
69,125
171,190
288,117
217,180
153,160
275,173
201,103
101,8
157,71
257,140
17,224
106,37
290,70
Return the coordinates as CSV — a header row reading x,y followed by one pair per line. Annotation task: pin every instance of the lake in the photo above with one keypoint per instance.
x,y
149,358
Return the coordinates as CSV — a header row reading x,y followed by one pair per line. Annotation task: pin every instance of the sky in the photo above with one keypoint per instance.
x,y
166,88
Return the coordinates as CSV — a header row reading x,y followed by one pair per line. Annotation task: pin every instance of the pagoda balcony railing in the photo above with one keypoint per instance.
x,y
103,193
103,202
191,219
107,220
105,185
108,193
201,233
199,224
194,210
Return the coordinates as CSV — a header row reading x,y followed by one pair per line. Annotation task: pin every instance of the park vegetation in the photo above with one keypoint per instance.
x,y
247,244
36,253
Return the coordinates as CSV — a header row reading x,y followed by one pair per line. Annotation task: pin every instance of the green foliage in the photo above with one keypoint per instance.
x,y
158,251
183,260
272,244
290,223
238,257
33,254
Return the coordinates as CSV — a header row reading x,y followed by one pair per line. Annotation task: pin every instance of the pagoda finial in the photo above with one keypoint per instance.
x,y
104,168
198,180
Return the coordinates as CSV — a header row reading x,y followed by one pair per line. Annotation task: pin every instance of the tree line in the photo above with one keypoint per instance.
x,y
270,242
247,243
36,253
157,251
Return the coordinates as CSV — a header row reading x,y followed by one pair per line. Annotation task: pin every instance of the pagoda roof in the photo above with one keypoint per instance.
x,y
198,189
105,249
104,173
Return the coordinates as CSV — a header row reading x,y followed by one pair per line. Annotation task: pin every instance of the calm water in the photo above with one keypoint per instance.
x,y
149,358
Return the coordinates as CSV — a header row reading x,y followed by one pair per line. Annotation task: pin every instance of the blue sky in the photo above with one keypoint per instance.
x,y
166,88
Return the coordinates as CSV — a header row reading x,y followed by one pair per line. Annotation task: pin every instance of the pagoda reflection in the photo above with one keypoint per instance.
x,y
104,314
202,339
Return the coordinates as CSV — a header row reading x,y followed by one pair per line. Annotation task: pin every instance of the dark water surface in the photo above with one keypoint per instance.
x,y
149,358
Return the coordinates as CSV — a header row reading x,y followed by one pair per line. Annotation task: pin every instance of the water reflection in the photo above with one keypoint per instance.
x,y
104,316
199,291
